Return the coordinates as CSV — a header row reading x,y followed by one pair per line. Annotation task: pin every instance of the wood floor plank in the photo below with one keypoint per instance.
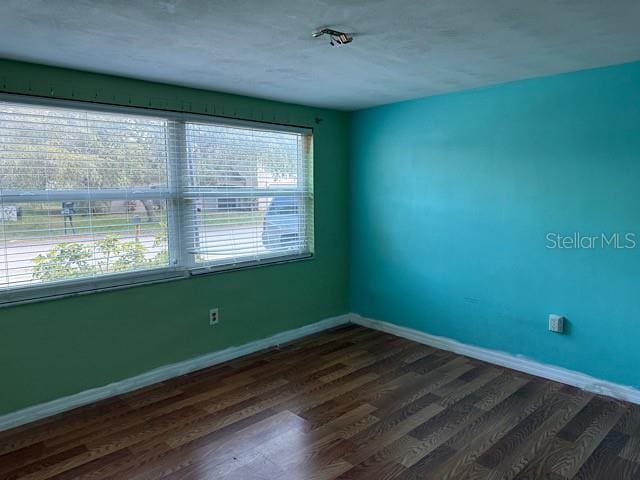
x,y
605,462
569,460
586,430
520,433
383,393
425,467
348,403
480,435
221,452
536,445
112,422
629,423
631,450
353,421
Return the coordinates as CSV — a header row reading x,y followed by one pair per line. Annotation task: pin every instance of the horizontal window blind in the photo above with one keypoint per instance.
x,y
82,193
87,193
249,193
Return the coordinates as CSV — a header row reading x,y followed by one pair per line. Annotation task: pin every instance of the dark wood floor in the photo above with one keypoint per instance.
x,y
350,403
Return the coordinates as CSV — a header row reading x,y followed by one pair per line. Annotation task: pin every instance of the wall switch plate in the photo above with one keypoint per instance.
x,y
556,323
214,317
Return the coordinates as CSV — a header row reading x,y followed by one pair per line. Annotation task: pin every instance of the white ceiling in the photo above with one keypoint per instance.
x,y
402,49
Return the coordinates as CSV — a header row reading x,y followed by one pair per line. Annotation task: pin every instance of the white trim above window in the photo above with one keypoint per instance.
x,y
97,197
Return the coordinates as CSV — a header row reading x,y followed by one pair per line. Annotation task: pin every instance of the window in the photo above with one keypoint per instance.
x,y
234,178
93,198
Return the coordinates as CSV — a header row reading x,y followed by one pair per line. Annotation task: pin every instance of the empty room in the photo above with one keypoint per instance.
x,y
319,239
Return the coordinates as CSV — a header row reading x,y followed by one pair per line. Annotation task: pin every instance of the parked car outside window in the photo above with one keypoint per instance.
x,y
281,228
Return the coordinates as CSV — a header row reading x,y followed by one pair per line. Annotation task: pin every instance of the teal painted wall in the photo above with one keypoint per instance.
x,y
453,196
56,348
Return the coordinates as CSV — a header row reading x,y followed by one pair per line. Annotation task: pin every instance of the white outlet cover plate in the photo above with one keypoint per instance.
x,y
214,316
556,323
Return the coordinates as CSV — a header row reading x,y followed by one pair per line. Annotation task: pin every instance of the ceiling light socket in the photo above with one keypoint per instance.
x,y
336,38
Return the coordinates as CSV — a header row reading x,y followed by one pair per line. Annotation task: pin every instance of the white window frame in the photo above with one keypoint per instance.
x,y
181,261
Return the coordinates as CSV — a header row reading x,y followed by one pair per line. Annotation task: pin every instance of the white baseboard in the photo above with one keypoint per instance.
x,y
515,362
160,374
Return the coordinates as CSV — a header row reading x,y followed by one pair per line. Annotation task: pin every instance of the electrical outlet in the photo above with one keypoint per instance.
x,y
214,317
556,323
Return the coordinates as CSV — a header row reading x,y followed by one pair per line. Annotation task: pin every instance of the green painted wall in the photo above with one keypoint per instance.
x,y
57,348
452,199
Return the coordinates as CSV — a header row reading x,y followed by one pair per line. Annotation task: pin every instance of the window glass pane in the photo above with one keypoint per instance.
x,y
234,228
46,242
44,148
231,157
248,193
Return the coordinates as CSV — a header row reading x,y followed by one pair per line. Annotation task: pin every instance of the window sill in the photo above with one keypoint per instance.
x,y
75,288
